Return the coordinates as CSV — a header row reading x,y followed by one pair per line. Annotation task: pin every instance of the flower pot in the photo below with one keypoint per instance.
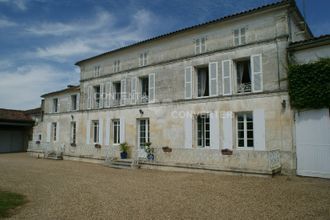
x,y
167,149
150,157
226,152
123,155
97,145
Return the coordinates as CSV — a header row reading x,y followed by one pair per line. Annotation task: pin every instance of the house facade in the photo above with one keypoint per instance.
x,y
213,86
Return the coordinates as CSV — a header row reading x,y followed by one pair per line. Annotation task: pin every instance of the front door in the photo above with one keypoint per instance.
x,y
143,136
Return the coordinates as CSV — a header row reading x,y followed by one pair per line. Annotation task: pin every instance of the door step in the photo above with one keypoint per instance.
x,y
54,156
123,164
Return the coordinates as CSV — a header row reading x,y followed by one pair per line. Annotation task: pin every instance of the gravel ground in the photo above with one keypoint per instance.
x,y
76,190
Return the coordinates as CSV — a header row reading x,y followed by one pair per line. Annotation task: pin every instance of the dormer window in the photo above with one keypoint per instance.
x,y
200,45
239,36
116,66
143,60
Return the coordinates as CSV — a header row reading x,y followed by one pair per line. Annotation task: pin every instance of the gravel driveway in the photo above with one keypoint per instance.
x,y
76,190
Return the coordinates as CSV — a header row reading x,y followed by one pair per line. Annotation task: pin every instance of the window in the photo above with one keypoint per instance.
x,y
116,131
54,131
245,130
239,36
95,131
144,89
74,102
203,130
116,93
200,46
55,105
144,132
202,81
73,132
143,60
116,66
39,137
97,90
243,69
97,71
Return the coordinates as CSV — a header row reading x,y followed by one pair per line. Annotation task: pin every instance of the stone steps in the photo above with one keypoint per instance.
x,y
54,156
123,164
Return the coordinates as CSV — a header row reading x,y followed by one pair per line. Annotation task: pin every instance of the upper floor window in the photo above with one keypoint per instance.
x,y
116,66
202,81
239,36
74,102
200,45
116,93
97,71
97,90
245,130
243,69
55,105
144,89
143,60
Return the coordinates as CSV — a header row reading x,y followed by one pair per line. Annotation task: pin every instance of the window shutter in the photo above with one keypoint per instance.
x,y
214,131
123,91
69,103
89,97
226,77
133,90
49,131
256,69
243,36
106,95
78,101
151,87
213,76
88,131
107,132
101,131
101,95
188,82
259,129
188,132
122,130
236,37
228,130
57,131
203,45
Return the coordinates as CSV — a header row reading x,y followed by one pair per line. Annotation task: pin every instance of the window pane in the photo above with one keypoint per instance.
x,y
250,125
240,134
250,134
241,143
240,117
250,143
249,117
240,126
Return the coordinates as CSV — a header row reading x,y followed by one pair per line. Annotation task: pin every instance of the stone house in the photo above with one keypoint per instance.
x,y
199,90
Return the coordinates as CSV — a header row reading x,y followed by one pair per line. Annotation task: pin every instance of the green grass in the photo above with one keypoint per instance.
x,y
9,201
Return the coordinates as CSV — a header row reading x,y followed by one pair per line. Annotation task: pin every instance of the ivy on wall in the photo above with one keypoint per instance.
x,y
309,85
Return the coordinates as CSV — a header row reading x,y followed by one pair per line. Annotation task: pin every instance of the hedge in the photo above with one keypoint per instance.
x,y
309,85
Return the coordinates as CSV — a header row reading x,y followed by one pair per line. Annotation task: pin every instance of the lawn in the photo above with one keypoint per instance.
x,y
9,201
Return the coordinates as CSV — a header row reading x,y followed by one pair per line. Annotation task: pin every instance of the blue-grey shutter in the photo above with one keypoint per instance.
x,y
256,69
151,87
188,82
228,130
214,131
226,77
259,129
213,76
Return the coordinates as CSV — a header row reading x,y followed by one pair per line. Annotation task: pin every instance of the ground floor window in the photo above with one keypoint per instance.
x,y
144,132
203,130
73,132
245,130
54,131
116,131
95,131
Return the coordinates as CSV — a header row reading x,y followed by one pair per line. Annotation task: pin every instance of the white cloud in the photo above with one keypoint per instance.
x,y
4,22
20,4
21,88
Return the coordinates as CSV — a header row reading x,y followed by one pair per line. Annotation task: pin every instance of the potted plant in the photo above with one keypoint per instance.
x,y
124,149
226,151
149,150
167,149
97,145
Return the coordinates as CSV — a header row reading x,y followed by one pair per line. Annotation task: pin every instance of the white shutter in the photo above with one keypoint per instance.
x,y
226,77
197,46
101,95
151,87
106,95
188,131
101,131
214,131
213,76
69,103
122,130
78,101
89,97
188,83
49,131
256,69
259,129
57,131
228,130
107,132
123,91
133,90
88,131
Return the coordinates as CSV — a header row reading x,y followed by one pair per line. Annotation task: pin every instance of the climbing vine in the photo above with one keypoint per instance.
x,y
309,85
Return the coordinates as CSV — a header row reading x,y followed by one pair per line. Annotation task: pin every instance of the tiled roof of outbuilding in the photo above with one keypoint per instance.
x,y
14,115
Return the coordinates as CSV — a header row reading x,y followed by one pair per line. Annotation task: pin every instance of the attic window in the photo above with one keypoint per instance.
x,y
200,45
239,36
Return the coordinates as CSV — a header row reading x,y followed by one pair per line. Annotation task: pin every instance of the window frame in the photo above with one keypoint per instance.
x,y
55,106
204,130
73,132
245,131
240,36
143,59
97,96
54,131
74,102
144,79
96,131
207,90
200,45
116,131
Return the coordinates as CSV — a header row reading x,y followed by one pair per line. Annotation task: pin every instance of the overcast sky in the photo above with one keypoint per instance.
x,y
40,40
